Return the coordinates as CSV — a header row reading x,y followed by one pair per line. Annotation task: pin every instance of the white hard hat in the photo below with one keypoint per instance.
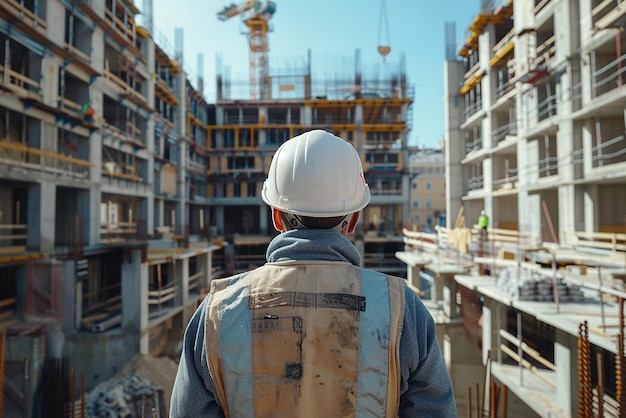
x,y
316,174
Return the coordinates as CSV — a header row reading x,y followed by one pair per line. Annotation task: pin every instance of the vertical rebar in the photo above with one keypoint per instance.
x,y
579,360
2,343
82,395
72,390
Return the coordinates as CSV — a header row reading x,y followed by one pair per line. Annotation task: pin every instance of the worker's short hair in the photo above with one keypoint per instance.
x,y
311,222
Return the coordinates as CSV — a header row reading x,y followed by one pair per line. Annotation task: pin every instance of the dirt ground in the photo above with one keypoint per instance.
x,y
161,371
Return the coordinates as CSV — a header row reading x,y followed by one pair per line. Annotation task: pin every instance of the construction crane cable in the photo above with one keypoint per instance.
x,y
383,49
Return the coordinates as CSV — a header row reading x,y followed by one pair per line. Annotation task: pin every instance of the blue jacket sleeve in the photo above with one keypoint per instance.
x,y
193,394
426,389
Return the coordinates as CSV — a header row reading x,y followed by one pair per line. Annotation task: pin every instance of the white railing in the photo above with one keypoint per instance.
x,y
509,181
548,166
547,108
472,109
475,183
476,144
502,132
602,156
608,77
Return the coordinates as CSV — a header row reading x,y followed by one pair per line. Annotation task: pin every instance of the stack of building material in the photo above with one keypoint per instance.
x,y
531,285
127,396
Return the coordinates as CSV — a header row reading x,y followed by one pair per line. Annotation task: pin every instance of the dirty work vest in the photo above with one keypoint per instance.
x,y
306,339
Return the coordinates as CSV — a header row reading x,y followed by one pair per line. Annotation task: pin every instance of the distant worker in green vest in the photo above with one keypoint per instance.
x,y
483,220
88,112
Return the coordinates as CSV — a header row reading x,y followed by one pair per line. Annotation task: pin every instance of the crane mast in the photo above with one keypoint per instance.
x,y
255,14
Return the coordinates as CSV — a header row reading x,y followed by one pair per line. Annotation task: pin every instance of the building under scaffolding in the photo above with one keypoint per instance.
x,y
535,138
372,114
123,192
104,221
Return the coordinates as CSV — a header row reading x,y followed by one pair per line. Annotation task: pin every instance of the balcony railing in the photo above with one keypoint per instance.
x,y
503,131
546,108
509,181
27,15
124,28
548,166
386,192
475,183
607,13
474,145
12,235
612,151
25,84
472,109
126,182
609,77
540,4
504,88
546,51
12,153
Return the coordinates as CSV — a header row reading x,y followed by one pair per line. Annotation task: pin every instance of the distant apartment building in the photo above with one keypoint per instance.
x,y
428,189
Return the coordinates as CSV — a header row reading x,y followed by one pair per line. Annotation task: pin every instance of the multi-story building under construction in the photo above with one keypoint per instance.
x,y
123,191
372,114
535,137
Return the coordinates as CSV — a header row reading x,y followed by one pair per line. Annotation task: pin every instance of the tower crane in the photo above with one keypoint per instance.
x,y
255,14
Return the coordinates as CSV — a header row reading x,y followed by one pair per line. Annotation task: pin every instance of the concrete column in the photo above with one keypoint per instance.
x,y
487,333
159,212
86,216
219,219
591,207
564,388
454,149
588,144
147,209
72,297
41,217
182,281
135,281
205,262
567,207
181,206
263,210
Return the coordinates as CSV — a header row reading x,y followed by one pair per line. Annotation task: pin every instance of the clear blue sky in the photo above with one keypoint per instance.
x,y
332,30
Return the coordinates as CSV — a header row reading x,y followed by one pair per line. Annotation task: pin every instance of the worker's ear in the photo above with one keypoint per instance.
x,y
277,220
353,221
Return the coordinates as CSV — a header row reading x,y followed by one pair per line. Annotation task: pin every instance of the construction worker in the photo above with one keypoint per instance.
x,y
310,333
483,220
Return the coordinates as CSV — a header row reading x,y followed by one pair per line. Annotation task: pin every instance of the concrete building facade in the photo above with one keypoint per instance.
x,y
535,118
104,233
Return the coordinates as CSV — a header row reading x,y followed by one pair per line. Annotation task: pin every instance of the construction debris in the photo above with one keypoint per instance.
x,y
127,397
141,389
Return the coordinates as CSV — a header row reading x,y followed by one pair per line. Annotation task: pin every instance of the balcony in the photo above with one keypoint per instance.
x,y
508,182
610,152
23,84
606,13
28,12
115,181
18,155
472,109
609,77
545,52
548,166
13,238
500,134
475,145
475,183
546,108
